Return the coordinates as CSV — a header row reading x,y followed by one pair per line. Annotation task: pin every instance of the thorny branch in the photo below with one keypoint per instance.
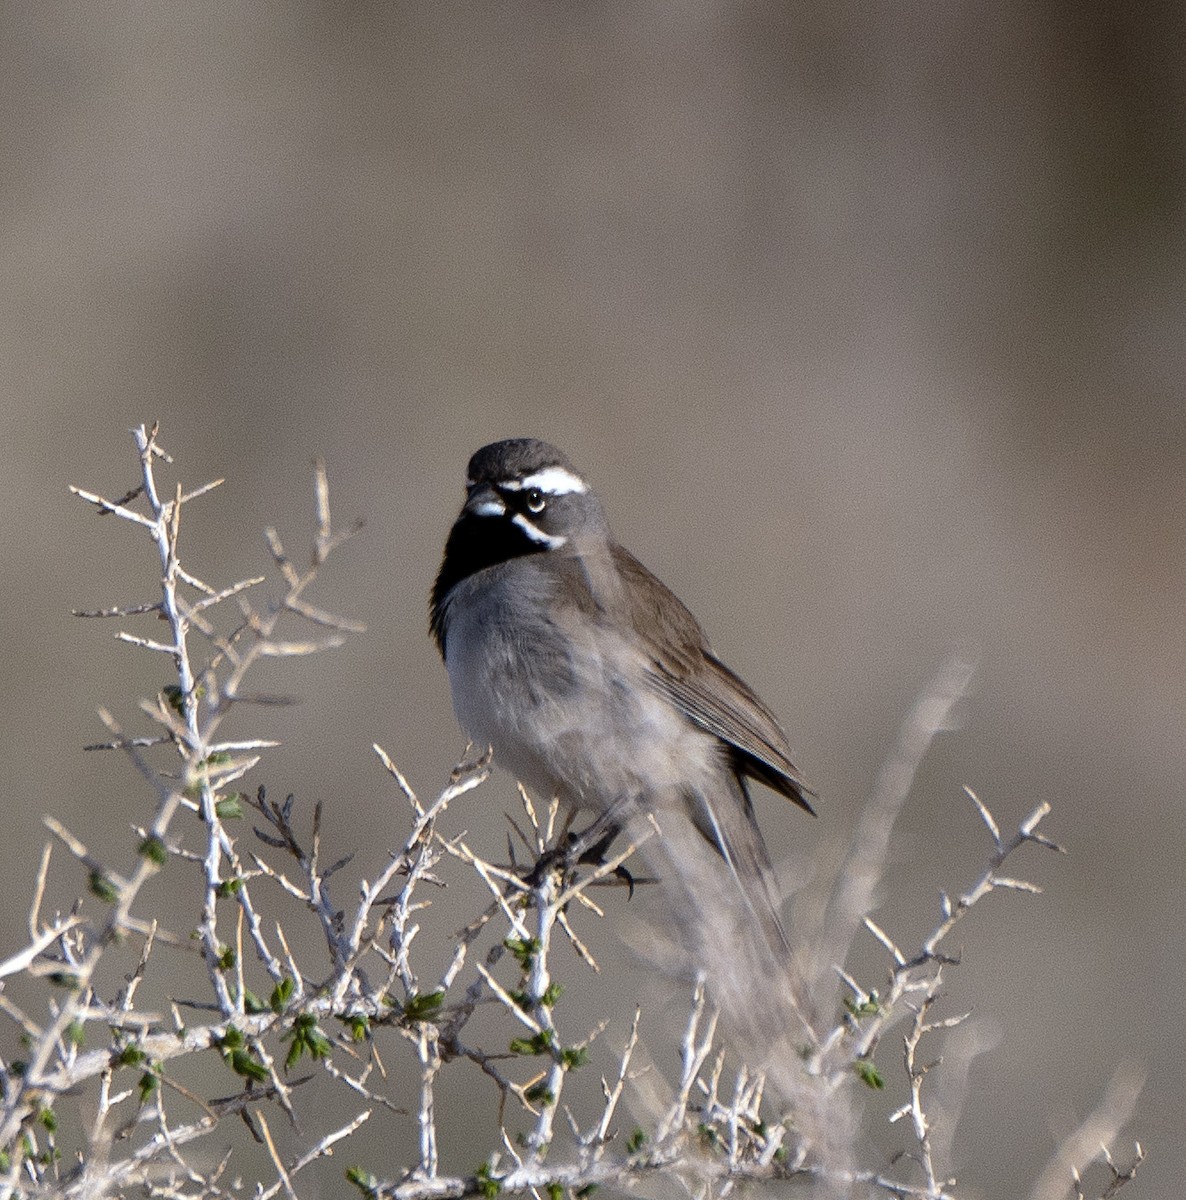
x,y
386,991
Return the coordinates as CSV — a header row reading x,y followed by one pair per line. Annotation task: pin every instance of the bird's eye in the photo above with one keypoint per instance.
x,y
533,498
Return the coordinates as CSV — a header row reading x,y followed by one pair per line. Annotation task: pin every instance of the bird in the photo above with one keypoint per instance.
x,y
592,682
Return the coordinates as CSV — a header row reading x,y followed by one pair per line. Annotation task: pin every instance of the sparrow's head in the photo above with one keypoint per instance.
x,y
528,492
523,497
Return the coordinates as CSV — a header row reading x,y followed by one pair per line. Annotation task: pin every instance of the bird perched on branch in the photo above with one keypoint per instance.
x,y
594,683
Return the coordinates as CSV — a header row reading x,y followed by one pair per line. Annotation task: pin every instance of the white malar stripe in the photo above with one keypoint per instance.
x,y
537,535
552,481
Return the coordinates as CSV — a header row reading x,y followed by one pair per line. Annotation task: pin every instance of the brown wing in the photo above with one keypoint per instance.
x,y
685,670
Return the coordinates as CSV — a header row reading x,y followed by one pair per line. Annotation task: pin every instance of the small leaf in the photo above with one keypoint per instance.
x,y
867,1006
487,1184
306,1038
130,1056
423,1007
359,1025
103,887
232,1039
242,1063
252,1004
281,994
230,807
868,1073
539,1043
573,1057
524,950
540,1093
153,849
366,1183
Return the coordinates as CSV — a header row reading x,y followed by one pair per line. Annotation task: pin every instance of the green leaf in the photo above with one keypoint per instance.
x,y
366,1183
636,1141
149,1082
130,1056
539,1043
242,1063
423,1007
869,1006
231,1039
552,993
228,887
573,1057
281,994
252,1004
103,887
76,1034
524,950
359,1025
153,849
230,807
226,958
868,1073
306,1038
540,1093
487,1184
48,1119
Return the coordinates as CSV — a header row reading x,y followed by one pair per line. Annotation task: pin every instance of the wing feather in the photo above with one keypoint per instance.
x,y
684,669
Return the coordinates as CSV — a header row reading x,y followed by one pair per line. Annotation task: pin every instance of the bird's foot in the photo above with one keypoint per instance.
x,y
590,847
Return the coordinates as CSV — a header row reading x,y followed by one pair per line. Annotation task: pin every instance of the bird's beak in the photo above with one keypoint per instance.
x,y
483,501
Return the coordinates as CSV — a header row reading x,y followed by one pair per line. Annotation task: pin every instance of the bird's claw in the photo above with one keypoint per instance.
x,y
581,849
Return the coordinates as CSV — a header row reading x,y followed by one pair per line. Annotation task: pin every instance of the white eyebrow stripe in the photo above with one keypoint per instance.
x,y
552,481
488,508
537,535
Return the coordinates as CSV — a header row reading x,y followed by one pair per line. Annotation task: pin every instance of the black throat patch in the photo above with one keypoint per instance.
x,y
474,544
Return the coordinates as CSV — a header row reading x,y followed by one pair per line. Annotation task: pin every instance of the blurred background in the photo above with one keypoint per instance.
x,y
865,321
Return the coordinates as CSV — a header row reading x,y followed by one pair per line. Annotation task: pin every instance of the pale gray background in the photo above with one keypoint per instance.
x,y
864,319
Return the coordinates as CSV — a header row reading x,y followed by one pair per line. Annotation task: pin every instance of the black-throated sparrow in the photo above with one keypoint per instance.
x,y
592,681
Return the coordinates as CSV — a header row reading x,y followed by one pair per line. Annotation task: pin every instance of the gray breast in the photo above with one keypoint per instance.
x,y
559,693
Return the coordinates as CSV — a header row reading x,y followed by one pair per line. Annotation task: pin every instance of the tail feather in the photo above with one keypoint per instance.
x,y
730,829
714,915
